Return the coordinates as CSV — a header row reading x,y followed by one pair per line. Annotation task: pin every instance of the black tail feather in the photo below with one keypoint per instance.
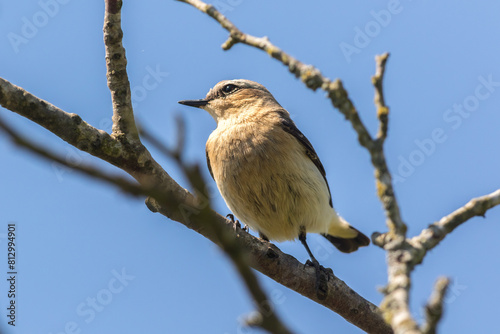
x,y
348,245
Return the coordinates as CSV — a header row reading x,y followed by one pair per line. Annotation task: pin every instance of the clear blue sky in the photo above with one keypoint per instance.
x,y
75,235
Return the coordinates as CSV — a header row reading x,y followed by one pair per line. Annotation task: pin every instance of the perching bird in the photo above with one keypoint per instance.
x,y
267,171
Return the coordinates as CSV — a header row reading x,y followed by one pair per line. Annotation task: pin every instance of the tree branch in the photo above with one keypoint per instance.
x,y
385,190
403,258
432,236
69,127
382,109
434,308
118,181
116,64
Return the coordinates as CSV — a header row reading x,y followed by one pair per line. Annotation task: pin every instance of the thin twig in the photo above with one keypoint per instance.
x,y
382,108
432,236
116,64
434,307
385,190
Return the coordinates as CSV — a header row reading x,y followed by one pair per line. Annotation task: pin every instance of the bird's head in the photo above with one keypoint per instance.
x,y
231,99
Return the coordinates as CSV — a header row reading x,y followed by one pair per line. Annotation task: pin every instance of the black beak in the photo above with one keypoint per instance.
x,y
194,103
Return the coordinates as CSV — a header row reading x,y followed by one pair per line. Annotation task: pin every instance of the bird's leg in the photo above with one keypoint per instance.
x,y
302,238
322,275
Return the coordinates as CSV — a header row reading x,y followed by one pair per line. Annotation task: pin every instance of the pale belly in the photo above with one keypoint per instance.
x,y
272,187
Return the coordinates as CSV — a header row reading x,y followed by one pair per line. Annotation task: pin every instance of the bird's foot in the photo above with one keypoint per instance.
x,y
322,277
236,223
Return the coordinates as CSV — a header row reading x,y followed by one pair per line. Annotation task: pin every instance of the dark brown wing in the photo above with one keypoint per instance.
x,y
208,164
289,126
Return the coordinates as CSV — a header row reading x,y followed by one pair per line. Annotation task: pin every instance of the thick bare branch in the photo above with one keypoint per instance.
x,y
69,127
116,64
434,308
395,305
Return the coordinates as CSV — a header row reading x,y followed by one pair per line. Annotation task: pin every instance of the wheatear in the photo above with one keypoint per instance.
x,y
267,171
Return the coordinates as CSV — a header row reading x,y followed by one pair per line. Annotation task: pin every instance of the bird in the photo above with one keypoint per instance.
x,y
267,171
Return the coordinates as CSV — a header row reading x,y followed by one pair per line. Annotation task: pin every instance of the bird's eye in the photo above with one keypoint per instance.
x,y
229,88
